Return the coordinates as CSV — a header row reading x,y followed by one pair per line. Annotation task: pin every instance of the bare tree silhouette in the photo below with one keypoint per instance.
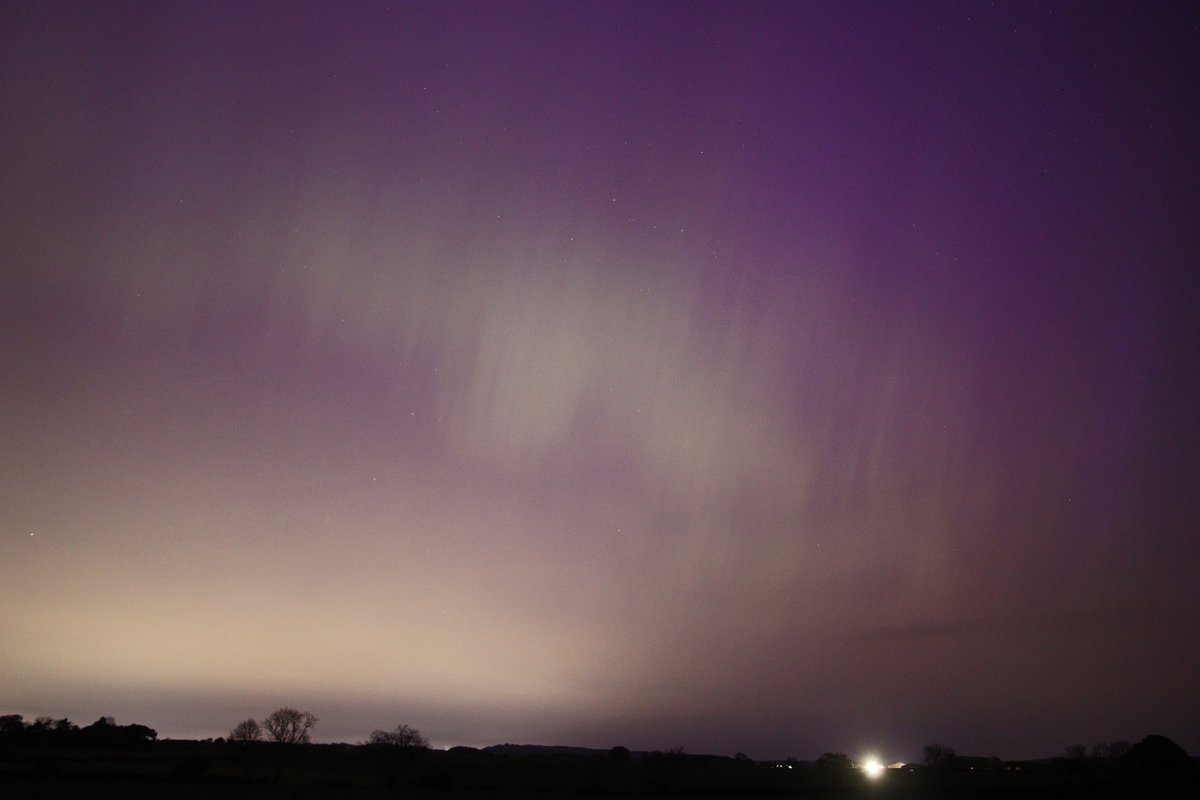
x,y
1110,750
397,750
402,736
835,761
938,755
246,731
289,726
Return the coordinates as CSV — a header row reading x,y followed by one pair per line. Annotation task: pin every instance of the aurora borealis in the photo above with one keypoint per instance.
x,y
774,377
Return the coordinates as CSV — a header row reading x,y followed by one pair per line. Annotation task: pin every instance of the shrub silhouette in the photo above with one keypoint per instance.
x,y
1157,756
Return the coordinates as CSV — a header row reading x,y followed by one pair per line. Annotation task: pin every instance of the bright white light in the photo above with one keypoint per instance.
x,y
873,767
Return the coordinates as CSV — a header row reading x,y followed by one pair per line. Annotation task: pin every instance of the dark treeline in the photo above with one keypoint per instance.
x,y
48,757
47,732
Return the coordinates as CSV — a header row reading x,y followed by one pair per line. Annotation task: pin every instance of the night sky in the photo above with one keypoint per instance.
x,y
774,377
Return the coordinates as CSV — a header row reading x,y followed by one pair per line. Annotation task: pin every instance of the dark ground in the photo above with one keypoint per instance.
x,y
185,770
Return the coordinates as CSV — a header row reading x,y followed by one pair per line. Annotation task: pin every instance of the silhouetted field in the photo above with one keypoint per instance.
x,y
186,769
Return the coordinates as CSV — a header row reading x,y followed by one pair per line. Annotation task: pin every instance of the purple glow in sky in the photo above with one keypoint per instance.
x,y
775,377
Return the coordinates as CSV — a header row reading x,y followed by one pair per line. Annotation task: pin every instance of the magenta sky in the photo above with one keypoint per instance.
x,y
763,377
